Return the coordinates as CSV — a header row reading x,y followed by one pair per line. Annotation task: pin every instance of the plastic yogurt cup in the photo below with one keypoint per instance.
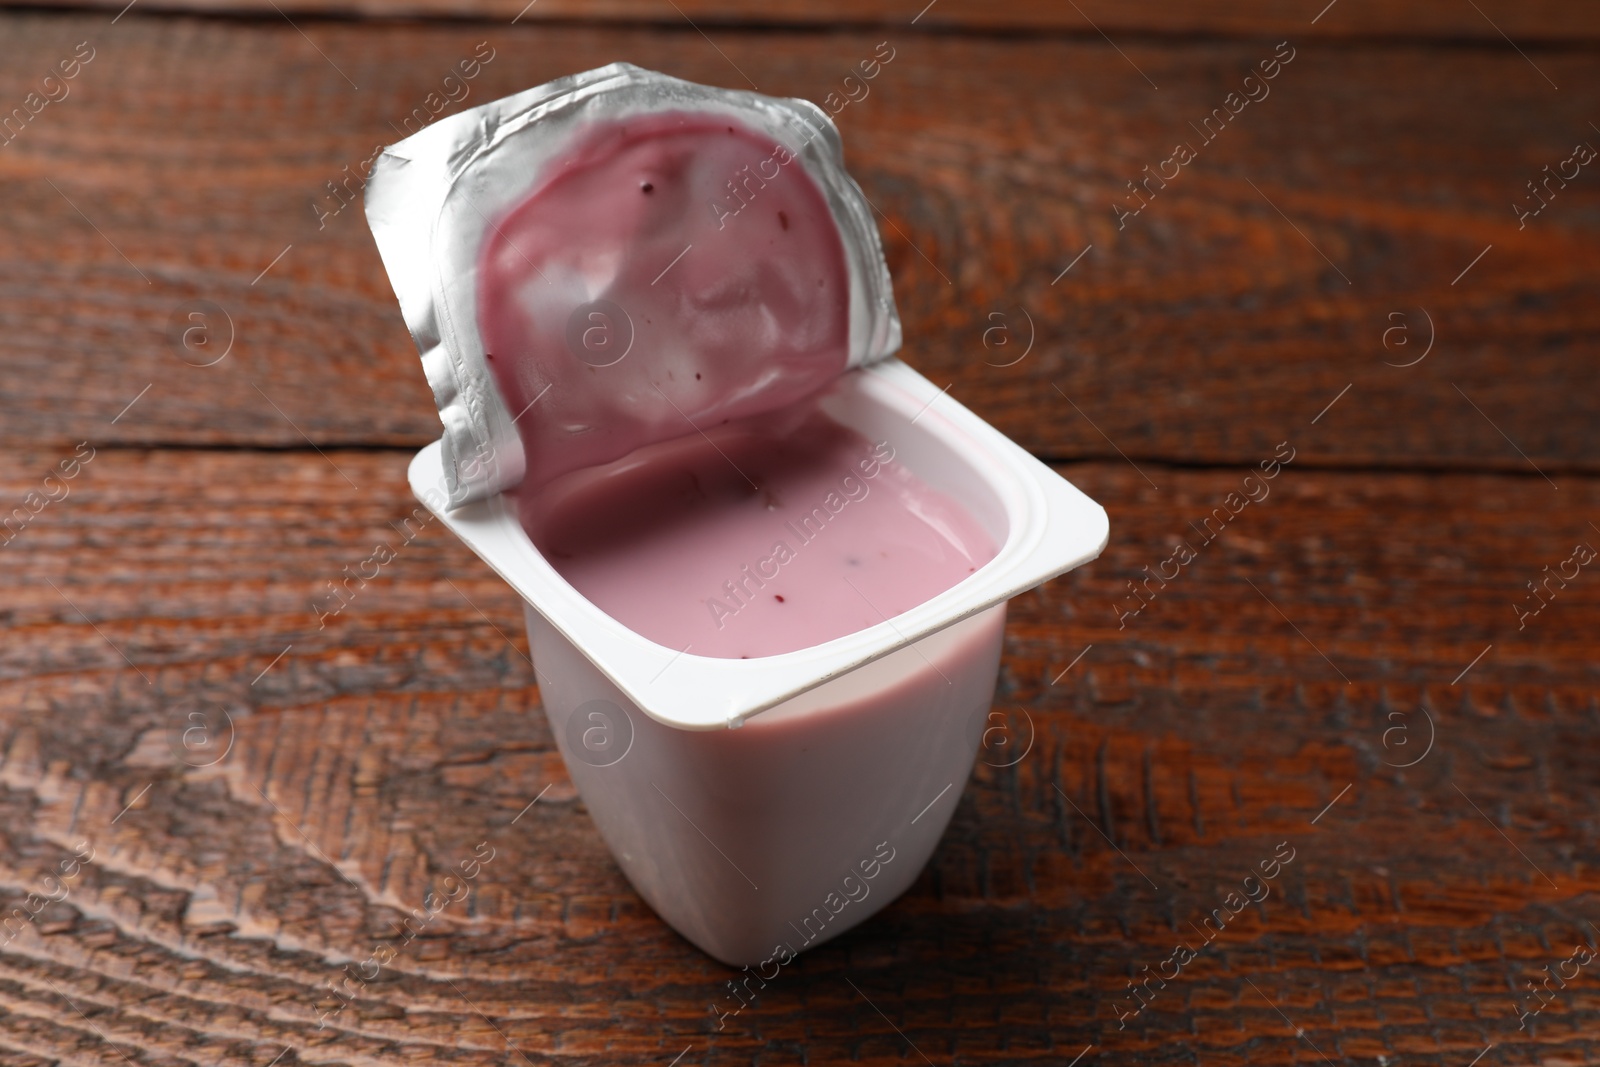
x,y
764,563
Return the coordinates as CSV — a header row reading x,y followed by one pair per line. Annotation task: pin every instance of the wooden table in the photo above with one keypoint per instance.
x,y
217,805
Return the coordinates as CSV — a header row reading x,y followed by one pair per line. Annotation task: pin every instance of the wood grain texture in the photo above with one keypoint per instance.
x,y
1344,668
1540,20
191,155
381,749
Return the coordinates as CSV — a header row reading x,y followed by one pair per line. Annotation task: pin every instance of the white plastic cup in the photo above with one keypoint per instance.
x,y
771,804
746,840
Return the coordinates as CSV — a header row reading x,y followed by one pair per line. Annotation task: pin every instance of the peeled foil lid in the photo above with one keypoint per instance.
x,y
530,284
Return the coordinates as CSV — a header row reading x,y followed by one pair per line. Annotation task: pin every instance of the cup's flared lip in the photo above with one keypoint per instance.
x,y
1053,527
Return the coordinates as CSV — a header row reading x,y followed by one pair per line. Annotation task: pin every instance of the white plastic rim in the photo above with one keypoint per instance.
x,y
1044,525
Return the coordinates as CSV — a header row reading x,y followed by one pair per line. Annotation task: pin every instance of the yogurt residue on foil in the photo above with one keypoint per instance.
x,y
674,272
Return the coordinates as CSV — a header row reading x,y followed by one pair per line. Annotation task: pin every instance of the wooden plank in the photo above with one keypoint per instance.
x,y
1537,21
372,754
1357,198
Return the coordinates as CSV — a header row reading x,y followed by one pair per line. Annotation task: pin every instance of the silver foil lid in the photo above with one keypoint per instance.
x,y
523,238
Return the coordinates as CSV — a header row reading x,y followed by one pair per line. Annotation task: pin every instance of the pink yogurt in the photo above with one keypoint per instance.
x,y
766,536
